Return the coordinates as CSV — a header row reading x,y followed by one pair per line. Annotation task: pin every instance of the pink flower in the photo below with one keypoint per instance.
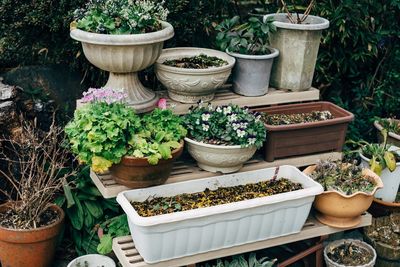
x,y
162,103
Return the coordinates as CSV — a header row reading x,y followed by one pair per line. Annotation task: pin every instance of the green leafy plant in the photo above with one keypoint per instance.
x,y
120,16
161,131
225,125
390,125
240,260
346,178
114,227
251,38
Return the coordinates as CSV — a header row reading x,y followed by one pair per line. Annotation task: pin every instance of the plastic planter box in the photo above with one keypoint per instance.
x,y
306,138
168,236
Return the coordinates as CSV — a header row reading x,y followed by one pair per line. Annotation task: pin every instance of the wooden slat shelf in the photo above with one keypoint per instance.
x,y
225,95
124,248
187,169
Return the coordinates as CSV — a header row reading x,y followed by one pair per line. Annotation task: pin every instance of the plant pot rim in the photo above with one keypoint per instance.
x,y
391,148
274,53
170,53
320,23
59,210
102,257
391,134
357,242
194,142
165,33
386,203
366,172
174,153
295,126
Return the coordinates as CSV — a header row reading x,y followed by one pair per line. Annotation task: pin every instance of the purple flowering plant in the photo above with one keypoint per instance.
x,y
225,125
107,95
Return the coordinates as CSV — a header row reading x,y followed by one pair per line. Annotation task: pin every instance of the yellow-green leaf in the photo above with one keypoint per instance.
x,y
375,166
390,160
100,164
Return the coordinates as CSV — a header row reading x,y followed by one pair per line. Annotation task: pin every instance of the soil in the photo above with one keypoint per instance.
x,y
11,220
208,198
387,233
285,119
397,200
350,255
196,62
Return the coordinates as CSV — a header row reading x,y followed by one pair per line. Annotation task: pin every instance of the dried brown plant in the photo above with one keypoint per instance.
x,y
37,165
299,19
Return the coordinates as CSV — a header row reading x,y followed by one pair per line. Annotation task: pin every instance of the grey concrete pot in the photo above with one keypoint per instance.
x,y
252,72
298,45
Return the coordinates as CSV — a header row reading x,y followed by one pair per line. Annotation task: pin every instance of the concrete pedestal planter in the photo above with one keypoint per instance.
x,y
32,247
123,56
92,260
298,45
344,211
251,73
212,228
392,138
331,246
391,180
191,85
219,158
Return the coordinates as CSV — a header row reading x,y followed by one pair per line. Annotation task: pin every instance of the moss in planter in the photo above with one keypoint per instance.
x,y
208,198
350,254
284,119
342,177
201,61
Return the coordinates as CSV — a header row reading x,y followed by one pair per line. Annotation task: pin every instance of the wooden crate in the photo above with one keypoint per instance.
x,y
188,170
125,250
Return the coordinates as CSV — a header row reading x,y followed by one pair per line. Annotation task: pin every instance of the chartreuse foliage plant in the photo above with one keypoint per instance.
x,y
240,261
225,125
104,130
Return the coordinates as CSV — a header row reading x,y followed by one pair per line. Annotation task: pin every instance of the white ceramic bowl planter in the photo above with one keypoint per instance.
x,y
251,74
93,260
219,158
123,55
392,138
185,233
191,85
298,45
391,180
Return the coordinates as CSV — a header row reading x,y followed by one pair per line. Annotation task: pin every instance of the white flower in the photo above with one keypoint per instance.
x,y
252,141
232,117
205,116
219,110
258,118
227,110
243,125
205,127
240,133
197,121
235,126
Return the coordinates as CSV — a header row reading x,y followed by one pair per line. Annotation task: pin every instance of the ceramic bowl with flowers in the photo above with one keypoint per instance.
x,y
222,138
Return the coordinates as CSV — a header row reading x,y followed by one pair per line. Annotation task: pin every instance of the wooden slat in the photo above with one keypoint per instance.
x,y
189,171
311,229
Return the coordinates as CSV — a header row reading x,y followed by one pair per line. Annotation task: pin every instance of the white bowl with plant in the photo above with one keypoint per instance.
x,y
392,126
123,37
249,43
191,74
222,138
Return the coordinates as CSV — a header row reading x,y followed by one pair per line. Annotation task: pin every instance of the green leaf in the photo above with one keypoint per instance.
x,y
153,159
105,245
165,151
94,208
68,195
390,161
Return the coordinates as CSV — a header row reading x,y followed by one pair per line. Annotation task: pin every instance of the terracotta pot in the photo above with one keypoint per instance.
x,y
34,247
383,208
344,211
392,138
138,172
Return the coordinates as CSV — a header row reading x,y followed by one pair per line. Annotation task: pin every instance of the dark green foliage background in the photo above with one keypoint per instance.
x,y
359,58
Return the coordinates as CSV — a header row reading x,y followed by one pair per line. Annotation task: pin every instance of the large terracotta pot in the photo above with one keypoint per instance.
x,y
123,55
344,211
34,247
138,172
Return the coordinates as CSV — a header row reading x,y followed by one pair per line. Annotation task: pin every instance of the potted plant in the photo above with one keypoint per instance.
x,y
191,74
222,138
92,260
249,44
297,38
384,160
349,252
139,150
392,126
30,224
201,211
349,191
123,37
301,129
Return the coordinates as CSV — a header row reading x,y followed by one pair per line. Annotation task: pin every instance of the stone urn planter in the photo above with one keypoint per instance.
x,y
138,172
251,73
92,260
298,45
31,247
391,180
123,56
331,246
219,158
343,211
392,138
191,85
